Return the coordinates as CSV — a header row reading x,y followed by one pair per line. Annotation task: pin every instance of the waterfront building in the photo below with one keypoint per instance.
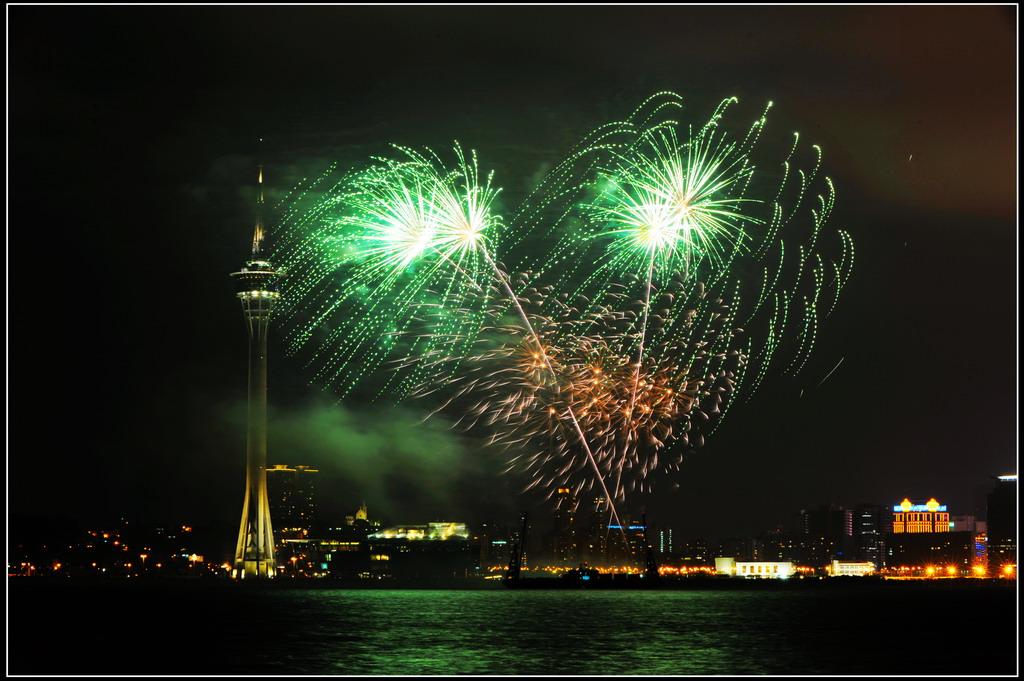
x,y
936,549
435,531
362,549
422,551
754,569
916,517
844,568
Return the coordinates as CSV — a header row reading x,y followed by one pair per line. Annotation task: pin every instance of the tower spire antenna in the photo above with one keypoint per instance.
x,y
257,238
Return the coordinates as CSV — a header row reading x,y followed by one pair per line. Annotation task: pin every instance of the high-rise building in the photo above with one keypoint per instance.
x,y
912,517
494,543
822,535
292,500
1002,526
636,536
924,537
257,289
597,533
563,531
870,522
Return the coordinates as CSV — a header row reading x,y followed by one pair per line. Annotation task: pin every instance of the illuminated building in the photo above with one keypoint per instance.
x,y
563,532
699,551
625,543
665,545
636,535
870,521
292,500
980,550
494,544
362,550
921,549
778,544
597,534
1002,525
930,516
842,568
360,520
438,531
257,289
431,551
754,569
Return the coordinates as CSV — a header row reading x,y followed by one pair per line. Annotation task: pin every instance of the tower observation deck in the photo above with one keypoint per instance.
x,y
257,289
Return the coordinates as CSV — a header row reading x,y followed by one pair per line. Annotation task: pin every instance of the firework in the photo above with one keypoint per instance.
x,y
409,240
649,198
567,376
684,263
663,204
377,246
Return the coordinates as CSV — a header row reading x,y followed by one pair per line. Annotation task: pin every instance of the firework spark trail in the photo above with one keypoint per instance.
x,y
503,278
639,352
831,372
588,368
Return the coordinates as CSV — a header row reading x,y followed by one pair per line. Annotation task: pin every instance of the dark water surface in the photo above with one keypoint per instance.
x,y
194,628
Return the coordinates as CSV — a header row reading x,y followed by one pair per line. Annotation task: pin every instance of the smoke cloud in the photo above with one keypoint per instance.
x,y
408,468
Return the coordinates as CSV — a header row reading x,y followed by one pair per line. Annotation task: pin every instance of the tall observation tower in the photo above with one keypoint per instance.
x,y
257,284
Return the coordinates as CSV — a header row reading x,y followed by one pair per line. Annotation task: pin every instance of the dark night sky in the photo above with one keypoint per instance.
x,y
131,166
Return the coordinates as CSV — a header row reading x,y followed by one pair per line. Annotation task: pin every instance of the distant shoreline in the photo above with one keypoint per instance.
x,y
480,584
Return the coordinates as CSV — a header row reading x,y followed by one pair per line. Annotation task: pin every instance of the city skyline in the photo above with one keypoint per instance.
x,y
924,538
883,411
